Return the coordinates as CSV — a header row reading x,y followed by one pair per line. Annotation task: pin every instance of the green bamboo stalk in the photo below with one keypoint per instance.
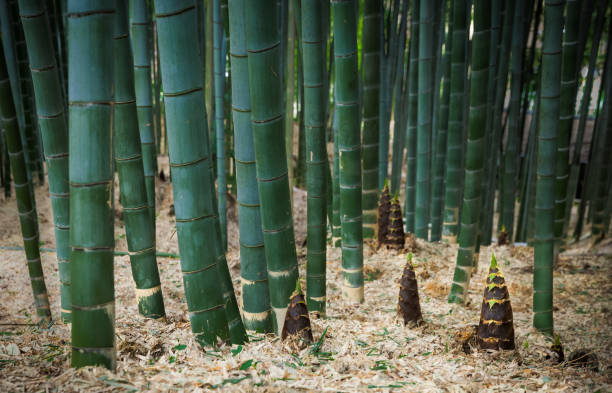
x,y
547,147
140,20
54,130
601,162
316,161
336,227
129,163
263,48
501,82
411,127
423,169
515,129
584,111
439,159
27,214
255,293
476,151
497,14
454,147
189,152
90,95
569,87
290,89
30,128
349,147
6,167
219,81
371,48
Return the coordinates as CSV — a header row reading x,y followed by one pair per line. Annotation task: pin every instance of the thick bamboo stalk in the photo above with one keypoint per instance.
x,y
316,152
255,293
90,97
454,147
140,19
371,48
54,131
349,147
27,215
411,127
545,184
263,48
476,150
129,162
189,153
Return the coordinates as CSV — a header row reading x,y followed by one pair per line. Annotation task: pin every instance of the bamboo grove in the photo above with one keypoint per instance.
x,y
483,120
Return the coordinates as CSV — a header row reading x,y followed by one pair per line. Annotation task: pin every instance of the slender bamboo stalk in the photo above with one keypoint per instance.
x,y
454,148
316,161
476,151
191,175
423,167
512,153
371,47
569,87
584,112
219,80
90,95
349,147
255,293
289,89
140,19
129,162
411,128
439,160
27,214
54,131
545,184
263,48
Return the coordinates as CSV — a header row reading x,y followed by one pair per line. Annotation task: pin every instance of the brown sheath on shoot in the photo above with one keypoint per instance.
x,y
384,208
297,321
408,306
395,235
496,328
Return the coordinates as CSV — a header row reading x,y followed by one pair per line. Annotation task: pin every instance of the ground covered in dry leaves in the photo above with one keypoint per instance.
x,y
357,347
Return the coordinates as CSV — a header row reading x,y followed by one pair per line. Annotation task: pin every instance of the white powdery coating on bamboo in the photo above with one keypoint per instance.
x,y
320,299
144,293
256,316
351,293
279,314
245,282
281,273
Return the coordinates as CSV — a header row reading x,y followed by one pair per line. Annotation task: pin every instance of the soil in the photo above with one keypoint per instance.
x,y
358,347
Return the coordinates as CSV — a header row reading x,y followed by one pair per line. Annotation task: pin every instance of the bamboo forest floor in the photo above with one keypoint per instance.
x,y
364,348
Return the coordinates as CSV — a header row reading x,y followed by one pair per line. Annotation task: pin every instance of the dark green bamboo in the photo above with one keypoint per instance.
x,y
411,127
219,80
501,82
515,129
289,71
476,151
349,147
263,48
27,214
372,16
54,131
547,148
255,293
439,159
601,162
316,152
140,19
336,227
129,162
584,112
569,87
454,147
425,93
90,97
189,152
